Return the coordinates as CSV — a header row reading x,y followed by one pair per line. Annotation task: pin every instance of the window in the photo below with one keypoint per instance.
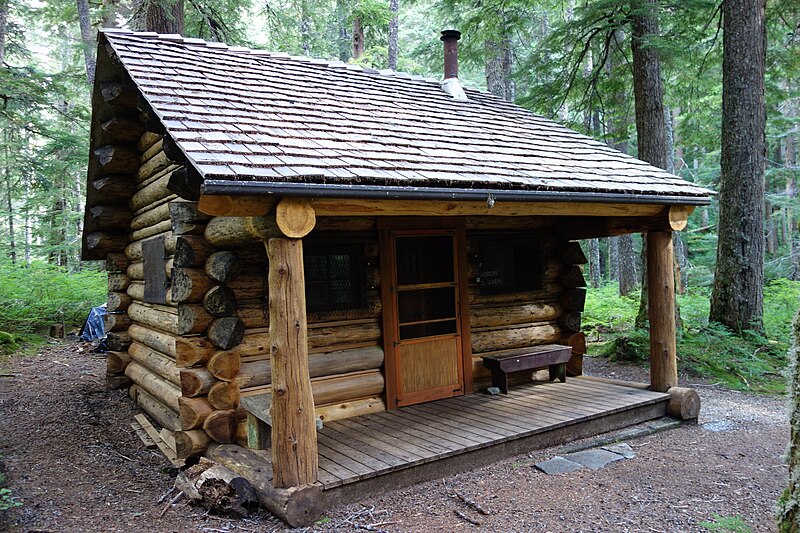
x,y
335,277
507,263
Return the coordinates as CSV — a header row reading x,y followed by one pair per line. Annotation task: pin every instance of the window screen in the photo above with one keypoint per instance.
x,y
335,277
505,264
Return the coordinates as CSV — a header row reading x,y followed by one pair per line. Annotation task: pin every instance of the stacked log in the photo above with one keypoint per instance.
x,y
573,298
117,358
521,319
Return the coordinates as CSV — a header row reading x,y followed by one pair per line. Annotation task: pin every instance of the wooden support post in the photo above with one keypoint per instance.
x,y
294,430
661,296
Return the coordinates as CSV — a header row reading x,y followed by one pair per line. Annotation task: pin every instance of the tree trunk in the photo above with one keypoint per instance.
x,y
86,38
594,262
343,40
305,28
737,297
648,91
3,29
627,265
164,16
394,26
789,503
358,38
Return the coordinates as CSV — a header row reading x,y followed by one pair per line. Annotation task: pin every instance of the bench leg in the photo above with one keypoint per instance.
x,y
558,372
500,380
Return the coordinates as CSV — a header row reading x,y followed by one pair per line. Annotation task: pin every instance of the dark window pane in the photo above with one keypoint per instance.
x,y
424,259
508,264
427,330
427,304
335,277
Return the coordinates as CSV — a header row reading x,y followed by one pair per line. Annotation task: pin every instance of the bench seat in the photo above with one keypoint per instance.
x,y
553,356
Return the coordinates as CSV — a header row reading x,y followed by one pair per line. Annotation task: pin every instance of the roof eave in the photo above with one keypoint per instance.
x,y
388,192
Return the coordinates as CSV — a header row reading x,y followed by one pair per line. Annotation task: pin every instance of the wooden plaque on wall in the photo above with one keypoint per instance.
x,y
155,274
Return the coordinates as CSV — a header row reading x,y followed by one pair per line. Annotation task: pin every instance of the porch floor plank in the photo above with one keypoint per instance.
x,y
363,447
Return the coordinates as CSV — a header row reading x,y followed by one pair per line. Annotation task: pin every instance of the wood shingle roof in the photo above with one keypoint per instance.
x,y
248,116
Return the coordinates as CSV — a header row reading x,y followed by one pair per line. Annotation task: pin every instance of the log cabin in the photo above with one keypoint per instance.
x,y
316,269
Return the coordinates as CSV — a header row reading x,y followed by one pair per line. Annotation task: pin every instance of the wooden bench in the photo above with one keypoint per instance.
x,y
259,420
553,356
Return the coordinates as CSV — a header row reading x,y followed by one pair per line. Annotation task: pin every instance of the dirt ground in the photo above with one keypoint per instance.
x,y
71,458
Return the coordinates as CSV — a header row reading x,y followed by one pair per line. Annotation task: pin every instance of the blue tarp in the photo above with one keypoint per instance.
x,y
93,327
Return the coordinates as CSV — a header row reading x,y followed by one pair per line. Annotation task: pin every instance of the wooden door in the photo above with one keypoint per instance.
x,y
424,325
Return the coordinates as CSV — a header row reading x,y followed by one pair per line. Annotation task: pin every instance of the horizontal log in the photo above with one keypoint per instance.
x,y
189,285
116,262
123,130
224,266
220,301
151,151
570,321
118,281
118,341
185,319
157,362
684,403
101,243
575,340
150,218
173,150
150,231
114,189
224,395
572,254
340,388
133,251
152,166
221,426
193,412
186,351
240,231
321,335
672,218
186,183
224,365
192,251
196,382
550,292
516,337
136,291
526,223
572,277
573,299
117,301
161,389
236,206
147,140
348,409
191,443
150,193
256,373
298,506
118,94
117,381
186,219
116,362
117,159
505,315
116,321
166,417
226,332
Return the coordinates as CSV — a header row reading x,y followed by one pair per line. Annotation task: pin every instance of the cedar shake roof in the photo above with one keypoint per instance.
x,y
243,115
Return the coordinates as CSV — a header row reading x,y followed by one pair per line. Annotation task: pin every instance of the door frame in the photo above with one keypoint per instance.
x,y
387,266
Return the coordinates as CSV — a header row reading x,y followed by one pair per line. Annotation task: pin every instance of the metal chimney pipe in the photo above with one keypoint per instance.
x,y
450,39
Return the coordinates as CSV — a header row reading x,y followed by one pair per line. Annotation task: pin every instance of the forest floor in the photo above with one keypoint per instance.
x,y
71,459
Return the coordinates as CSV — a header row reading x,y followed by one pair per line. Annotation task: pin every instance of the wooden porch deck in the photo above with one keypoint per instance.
x,y
396,448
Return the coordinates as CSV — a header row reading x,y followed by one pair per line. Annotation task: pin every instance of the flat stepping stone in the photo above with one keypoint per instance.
x,y
595,458
557,465
622,448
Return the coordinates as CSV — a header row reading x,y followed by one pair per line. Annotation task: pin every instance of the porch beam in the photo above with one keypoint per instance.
x,y
661,308
226,205
294,431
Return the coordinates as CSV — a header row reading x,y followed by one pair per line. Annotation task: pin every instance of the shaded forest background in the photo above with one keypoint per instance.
x,y
569,60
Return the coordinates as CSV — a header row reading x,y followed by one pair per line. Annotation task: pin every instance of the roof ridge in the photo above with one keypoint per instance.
x,y
338,64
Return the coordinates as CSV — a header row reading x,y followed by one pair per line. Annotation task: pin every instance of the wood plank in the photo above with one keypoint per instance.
x,y
143,436
484,435
354,440
404,450
153,434
374,464
496,427
421,425
411,436
356,469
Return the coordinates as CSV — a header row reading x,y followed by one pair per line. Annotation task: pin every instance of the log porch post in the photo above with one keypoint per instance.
x,y
294,431
661,309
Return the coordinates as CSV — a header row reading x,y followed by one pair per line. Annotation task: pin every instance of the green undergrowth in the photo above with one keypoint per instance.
x,y
750,361
34,297
726,524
